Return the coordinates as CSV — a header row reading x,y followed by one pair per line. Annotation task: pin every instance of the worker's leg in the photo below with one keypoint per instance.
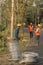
x,y
36,43
38,40
31,37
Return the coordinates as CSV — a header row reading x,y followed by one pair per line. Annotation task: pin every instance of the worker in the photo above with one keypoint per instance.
x,y
13,45
16,33
31,29
38,33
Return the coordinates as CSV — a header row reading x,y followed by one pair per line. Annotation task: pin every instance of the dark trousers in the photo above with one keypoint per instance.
x,y
31,35
37,38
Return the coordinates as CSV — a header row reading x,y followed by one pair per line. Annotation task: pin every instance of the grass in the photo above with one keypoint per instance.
x,y
23,45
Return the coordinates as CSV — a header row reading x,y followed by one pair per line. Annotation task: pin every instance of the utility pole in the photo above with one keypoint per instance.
x,y
12,12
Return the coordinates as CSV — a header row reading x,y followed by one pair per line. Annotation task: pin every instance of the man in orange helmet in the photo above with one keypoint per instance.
x,y
38,33
31,29
16,33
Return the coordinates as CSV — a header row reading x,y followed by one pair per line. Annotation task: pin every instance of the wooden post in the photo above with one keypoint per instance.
x,y
12,18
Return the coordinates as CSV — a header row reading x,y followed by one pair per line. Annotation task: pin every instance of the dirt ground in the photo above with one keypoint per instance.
x,y
4,60
5,55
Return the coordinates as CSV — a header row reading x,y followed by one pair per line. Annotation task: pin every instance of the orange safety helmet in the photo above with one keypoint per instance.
x,y
18,24
30,23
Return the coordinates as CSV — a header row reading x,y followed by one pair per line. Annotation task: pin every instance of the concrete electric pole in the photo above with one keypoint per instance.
x,y
12,12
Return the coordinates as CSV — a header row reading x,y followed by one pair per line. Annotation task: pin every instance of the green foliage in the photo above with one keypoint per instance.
x,y
5,22
21,11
